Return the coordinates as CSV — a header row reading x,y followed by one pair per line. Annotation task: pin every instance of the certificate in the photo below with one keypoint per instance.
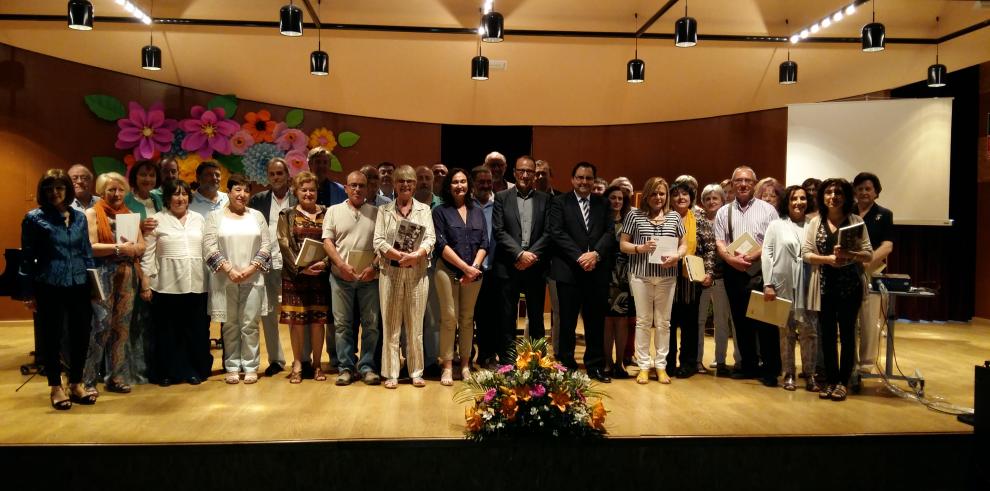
x,y
666,247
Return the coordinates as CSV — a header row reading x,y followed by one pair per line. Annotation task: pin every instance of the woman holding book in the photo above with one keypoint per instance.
x,y
116,344
55,254
236,247
404,239
785,277
305,295
838,280
462,239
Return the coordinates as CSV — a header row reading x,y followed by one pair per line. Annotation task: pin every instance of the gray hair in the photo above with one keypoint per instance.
x,y
713,188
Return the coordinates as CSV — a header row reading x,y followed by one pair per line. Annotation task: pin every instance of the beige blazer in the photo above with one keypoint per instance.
x,y
809,247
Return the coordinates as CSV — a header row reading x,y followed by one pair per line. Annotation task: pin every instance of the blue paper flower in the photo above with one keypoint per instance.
x,y
256,161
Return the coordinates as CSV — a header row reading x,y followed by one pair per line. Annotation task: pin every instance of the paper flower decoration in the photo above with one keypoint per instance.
x,y
297,161
208,131
240,142
129,160
145,131
322,137
260,126
256,161
287,139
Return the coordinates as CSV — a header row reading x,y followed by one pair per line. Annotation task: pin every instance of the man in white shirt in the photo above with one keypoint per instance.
x,y
270,203
82,183
496,163
208,196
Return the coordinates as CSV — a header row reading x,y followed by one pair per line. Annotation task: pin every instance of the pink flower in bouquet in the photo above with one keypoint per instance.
x,y
240,142
505,369
297,161
490,394
538,391
288,139
559,367
208,131
145,131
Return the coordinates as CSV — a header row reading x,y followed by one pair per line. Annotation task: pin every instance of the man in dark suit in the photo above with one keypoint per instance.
x,y
270,203
581,230
521,258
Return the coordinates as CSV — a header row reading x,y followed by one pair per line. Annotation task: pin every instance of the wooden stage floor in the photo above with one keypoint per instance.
x,y
274,410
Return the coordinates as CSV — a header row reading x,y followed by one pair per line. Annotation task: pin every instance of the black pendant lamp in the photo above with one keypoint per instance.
x,y
493,27
874,34
319,60
80,15
788,71
937,73
290,20
636,68
685,30
151,55
479,65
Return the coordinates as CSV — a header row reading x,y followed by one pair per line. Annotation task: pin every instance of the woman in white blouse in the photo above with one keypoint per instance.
x,y
173,264
236,245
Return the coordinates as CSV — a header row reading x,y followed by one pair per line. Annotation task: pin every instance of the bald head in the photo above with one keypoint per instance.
x,y
82,182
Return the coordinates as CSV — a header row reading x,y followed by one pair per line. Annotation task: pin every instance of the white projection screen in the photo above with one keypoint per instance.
x,y
905,142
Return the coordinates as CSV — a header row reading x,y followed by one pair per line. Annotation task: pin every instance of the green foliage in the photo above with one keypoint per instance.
x,y
294,118
227,101
335,164
102,165
233,163
348,139
106,107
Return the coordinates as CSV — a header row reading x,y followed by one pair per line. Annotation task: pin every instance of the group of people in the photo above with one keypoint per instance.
x,y
426,266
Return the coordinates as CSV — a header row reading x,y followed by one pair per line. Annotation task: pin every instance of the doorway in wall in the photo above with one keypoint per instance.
x,y
465,146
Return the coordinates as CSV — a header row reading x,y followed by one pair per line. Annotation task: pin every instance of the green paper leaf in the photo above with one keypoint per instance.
x,y
106,107
335,164
347,139
227,101
294,118
233,163
102,165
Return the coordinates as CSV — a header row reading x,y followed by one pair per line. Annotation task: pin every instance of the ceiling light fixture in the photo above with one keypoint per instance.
x,y
825,22
319,60
937,73
290,20
479,65
788,71
493,24
685,30
636,68
151,55
80,15
874,34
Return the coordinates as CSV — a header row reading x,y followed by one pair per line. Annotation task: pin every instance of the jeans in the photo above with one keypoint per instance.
x,y
344,294
654,298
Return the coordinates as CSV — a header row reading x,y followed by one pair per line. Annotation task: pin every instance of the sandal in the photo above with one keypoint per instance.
x,y
118,387
466,373
419,382
295,377
447,377
662,376
839,393
826,392
85,398
232,378
251,377
391,383
318,374
64,404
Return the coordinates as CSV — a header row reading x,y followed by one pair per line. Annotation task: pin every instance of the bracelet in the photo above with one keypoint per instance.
x,y
116,250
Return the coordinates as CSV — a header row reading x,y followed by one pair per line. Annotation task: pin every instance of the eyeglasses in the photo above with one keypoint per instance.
x,y
525,171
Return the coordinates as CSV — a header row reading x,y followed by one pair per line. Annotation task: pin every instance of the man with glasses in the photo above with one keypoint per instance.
x,y
82,184
747,215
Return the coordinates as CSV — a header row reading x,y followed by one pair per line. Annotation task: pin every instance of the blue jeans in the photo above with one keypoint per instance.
x,y
343,294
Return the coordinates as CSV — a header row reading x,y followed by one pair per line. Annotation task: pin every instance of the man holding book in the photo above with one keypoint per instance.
x,y
348,238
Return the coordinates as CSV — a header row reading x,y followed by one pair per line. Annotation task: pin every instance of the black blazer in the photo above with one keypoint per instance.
x,y
508,232
263,202
571,239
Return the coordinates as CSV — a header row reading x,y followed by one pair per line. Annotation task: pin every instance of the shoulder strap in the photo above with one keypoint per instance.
x,y
731,237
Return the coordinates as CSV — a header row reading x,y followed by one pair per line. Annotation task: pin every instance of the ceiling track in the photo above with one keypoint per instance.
x,y
166,21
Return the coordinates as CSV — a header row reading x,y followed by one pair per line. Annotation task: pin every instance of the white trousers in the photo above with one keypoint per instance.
x,y
654,298
870,320
722,317
241,343
403,294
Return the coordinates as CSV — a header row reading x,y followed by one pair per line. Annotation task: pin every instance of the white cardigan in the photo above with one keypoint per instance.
x,y
810,247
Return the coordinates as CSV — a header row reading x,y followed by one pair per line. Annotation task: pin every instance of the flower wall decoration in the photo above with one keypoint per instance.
x,y
208,131
145,131
260,126
256,161
287,139
297,162
322,137
240,142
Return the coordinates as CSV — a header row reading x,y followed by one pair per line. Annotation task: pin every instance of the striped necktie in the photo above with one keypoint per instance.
x,y
586,212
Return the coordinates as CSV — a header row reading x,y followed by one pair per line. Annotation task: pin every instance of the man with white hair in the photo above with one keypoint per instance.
x,y
496,163
82,184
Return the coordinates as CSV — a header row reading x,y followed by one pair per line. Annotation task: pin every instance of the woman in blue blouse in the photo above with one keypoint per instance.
x,y
462,239
55,255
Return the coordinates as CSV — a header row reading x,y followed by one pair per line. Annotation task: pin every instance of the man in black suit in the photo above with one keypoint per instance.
x,y
581,229
521,259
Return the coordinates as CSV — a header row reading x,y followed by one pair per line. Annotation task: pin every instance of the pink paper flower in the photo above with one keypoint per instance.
x,y
297,161
538,391
145,131
490,394
240,142
288,139
208,131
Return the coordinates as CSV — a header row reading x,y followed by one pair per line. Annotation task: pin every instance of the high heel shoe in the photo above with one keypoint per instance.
x,y
64,404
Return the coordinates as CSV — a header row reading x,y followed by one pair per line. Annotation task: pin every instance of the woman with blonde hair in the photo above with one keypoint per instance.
x,y
652,283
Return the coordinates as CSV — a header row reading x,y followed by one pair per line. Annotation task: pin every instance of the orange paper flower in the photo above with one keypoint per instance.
x,y
522,392
560,399
598,416
260,126
472,419
547,362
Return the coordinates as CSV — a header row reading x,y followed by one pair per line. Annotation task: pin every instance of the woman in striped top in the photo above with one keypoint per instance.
x,y
652,284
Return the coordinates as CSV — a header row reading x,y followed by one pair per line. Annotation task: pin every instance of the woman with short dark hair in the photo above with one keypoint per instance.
x,y
55,254
838,281
143,178
173,263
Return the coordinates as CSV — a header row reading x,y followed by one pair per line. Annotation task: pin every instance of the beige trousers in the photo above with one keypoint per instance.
x,y
403,299
456,313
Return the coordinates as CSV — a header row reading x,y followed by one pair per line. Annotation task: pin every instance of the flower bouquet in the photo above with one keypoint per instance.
x,y
534,396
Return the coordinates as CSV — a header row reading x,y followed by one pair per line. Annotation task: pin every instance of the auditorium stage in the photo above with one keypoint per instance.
x,y
704,416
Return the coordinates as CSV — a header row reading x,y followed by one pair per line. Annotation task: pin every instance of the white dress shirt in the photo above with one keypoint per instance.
x,y
173,256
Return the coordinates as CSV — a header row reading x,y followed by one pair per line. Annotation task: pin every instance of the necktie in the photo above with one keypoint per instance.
x,y
586,212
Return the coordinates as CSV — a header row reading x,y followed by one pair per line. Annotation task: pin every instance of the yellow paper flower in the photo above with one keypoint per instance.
x,y
598,416
322,137
560,399
472,419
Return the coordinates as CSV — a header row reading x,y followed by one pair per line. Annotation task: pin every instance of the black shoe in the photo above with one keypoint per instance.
x,y
619,373
599,375
307,370
721,370
273,369
686,372
194,380
741,375
164,382
118,387
769,381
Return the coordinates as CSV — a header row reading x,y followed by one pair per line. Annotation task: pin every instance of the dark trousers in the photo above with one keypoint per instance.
x,y
182,336
749,332
54,305
531,283
841,313
488,317
684,317
589,298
